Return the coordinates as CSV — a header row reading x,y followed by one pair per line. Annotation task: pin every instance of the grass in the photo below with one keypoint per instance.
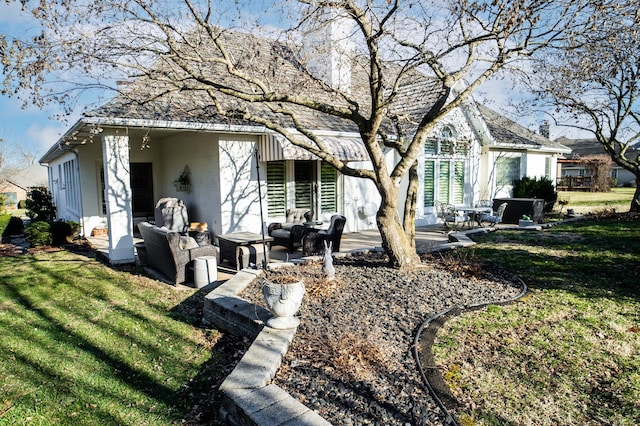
x,y
584,202
568,353
85,344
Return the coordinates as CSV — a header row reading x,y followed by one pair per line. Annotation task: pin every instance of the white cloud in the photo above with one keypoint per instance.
x,y
41,138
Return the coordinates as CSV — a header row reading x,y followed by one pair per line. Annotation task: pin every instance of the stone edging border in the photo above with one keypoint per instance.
x,y
248,397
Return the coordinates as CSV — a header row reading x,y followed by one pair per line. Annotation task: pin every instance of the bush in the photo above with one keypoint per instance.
x,y
38,234
14,227
39,204
534,188
63,232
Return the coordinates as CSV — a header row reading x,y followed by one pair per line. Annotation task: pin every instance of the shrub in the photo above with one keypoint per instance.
x,y
39,204
63,232
534,188
38,234
4,222
15,226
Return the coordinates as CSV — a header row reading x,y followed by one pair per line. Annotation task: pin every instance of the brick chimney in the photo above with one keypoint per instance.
x,y
544,129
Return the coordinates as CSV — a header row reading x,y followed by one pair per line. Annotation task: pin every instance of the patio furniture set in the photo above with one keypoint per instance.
x,y
470,216
183,252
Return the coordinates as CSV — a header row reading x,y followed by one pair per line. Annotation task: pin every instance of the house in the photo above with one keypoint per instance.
x,y
16,187
477,154
112,165
573,174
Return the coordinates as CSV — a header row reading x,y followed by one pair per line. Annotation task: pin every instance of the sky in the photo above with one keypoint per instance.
x,y
36,130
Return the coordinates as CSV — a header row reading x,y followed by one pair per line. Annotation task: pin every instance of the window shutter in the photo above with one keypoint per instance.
x,y
444,181
429,183
276,189
458,182
328,188
431,147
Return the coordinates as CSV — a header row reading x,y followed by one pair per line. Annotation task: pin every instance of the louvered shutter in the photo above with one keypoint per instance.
x,y
429,183
444,182
458,182
276,189
431,147
328,189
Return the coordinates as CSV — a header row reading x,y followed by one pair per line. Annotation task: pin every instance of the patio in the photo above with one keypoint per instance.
x,y
427,237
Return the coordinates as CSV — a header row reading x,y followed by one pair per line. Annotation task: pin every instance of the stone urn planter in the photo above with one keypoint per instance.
x,y
523,223
283,297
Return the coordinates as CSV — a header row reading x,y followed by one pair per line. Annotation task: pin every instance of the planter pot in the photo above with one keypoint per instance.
x,y
283,301
524,223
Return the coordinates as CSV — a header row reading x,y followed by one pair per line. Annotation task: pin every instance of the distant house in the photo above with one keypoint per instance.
x,y
115,163
574,175
16,187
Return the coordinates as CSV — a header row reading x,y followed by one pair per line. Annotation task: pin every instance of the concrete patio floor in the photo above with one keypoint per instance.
x,y
427,237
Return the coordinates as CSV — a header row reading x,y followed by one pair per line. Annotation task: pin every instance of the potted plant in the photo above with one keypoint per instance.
x,y
183,181
283,295
525,221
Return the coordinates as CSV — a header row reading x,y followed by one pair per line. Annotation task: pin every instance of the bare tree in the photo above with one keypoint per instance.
x,y
594,80
395,50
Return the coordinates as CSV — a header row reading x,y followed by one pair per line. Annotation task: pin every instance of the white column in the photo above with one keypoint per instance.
x,y
115,153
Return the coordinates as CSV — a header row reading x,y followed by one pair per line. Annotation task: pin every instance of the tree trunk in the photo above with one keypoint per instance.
x,y
409,221
635,202
394,240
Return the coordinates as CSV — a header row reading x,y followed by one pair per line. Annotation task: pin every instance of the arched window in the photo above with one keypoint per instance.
x,y
448,133
448,136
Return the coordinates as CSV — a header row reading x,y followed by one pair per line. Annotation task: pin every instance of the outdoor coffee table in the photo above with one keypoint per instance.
x,y
229,244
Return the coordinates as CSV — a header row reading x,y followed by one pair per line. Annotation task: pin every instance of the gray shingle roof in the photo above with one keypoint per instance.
x,y
277,64
508,132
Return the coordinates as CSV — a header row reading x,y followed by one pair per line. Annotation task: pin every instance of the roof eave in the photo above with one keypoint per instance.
x,y
57,148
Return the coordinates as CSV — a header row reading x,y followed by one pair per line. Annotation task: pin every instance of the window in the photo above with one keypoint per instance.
x,y
141,180
71,185
507,170
304,188
276,189
445,167
547,167
309,193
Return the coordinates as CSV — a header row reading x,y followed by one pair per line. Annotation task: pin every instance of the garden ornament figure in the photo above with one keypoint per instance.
x,y
328,270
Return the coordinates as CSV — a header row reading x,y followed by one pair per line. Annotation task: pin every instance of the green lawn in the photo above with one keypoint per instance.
x,y
585,202
85,344
569,352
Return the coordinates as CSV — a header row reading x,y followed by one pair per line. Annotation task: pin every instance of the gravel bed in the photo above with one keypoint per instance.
x,y
351,358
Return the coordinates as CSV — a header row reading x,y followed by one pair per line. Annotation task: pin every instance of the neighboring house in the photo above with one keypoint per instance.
x,y
115,163
16,187
572,172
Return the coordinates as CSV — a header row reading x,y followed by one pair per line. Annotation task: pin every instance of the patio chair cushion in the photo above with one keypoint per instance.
x,y
166,256
290,233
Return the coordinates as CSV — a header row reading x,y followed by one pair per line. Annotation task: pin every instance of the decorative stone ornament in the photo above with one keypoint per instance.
x,y
328,270
283,301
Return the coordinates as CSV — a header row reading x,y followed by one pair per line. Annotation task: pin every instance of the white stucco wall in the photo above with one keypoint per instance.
x,y
359,198
239,200
198,151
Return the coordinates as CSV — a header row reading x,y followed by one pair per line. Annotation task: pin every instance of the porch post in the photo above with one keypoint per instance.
x,y
115,154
